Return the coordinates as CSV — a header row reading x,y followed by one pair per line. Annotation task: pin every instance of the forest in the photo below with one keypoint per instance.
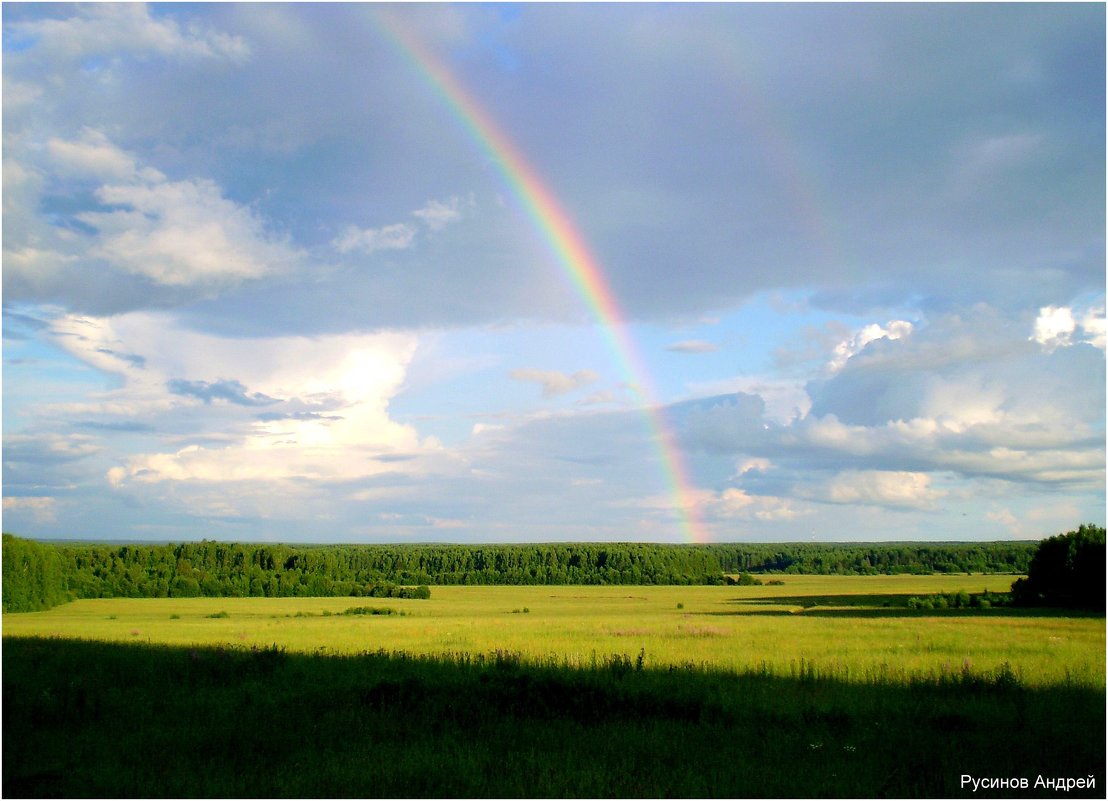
x,y
38,575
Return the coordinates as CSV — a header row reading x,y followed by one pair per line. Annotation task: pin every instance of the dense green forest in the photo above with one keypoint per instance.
x,y
39,575
1066,571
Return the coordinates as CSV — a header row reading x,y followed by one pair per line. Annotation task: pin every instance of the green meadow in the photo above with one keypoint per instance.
x,y
822,686
847,626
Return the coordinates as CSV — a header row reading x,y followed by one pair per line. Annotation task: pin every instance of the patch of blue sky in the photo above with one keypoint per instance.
x,y
38,372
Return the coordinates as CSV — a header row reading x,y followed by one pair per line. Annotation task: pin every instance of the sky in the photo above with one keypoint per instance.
x,y
546,272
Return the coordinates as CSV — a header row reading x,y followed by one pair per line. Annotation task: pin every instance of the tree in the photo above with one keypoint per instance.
x,y
1067,570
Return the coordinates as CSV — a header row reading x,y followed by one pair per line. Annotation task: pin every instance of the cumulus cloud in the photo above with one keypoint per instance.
x,y
1094,325
185,235
92,155
1001,409
556,383
326,399
890,488
114,28
895,329
1057,327
1054,327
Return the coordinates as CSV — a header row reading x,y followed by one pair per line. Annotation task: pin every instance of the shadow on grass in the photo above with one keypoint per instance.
x,y
883,605
92,719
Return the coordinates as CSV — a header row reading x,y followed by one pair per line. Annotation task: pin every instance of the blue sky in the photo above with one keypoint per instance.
x,y
260,284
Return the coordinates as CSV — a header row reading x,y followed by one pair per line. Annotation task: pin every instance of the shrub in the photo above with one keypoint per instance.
x,y
371,610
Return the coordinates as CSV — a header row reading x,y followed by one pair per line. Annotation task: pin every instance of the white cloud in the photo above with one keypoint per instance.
x,y
897,489
1094,325
115,28
42,509
693,346
183,233
737,503
326,411
895,329
1058,326
93,155
437,214
1054,327
179,234
785,400
369,240
554,382
757,465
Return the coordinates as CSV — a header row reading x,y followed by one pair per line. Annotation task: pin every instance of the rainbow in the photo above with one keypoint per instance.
x,y
572,254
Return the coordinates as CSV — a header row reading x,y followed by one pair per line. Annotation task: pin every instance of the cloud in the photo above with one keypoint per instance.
x,y
226,390
369,240
47,448
693,346
94,156
1056,327
103,29
286,193
326,402
965,394
553,382
183,233
185,236
894,489
895,329
42,509
437,214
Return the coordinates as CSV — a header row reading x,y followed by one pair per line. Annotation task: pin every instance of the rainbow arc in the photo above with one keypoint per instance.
x,y
572,254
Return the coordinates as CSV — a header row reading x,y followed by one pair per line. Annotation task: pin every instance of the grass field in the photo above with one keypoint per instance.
x,y
821,687
856,628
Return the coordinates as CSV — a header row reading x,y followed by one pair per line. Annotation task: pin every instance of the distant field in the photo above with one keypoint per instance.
x,y
855,628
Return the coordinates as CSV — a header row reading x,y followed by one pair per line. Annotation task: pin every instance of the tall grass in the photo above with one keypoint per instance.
x,y
99,719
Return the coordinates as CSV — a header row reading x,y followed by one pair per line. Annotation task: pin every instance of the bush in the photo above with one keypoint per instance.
x,y
371,610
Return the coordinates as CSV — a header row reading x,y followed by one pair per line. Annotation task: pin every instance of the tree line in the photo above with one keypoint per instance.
x,y
38,575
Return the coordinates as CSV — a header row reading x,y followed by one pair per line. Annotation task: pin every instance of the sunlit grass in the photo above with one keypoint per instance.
x,y
850,627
